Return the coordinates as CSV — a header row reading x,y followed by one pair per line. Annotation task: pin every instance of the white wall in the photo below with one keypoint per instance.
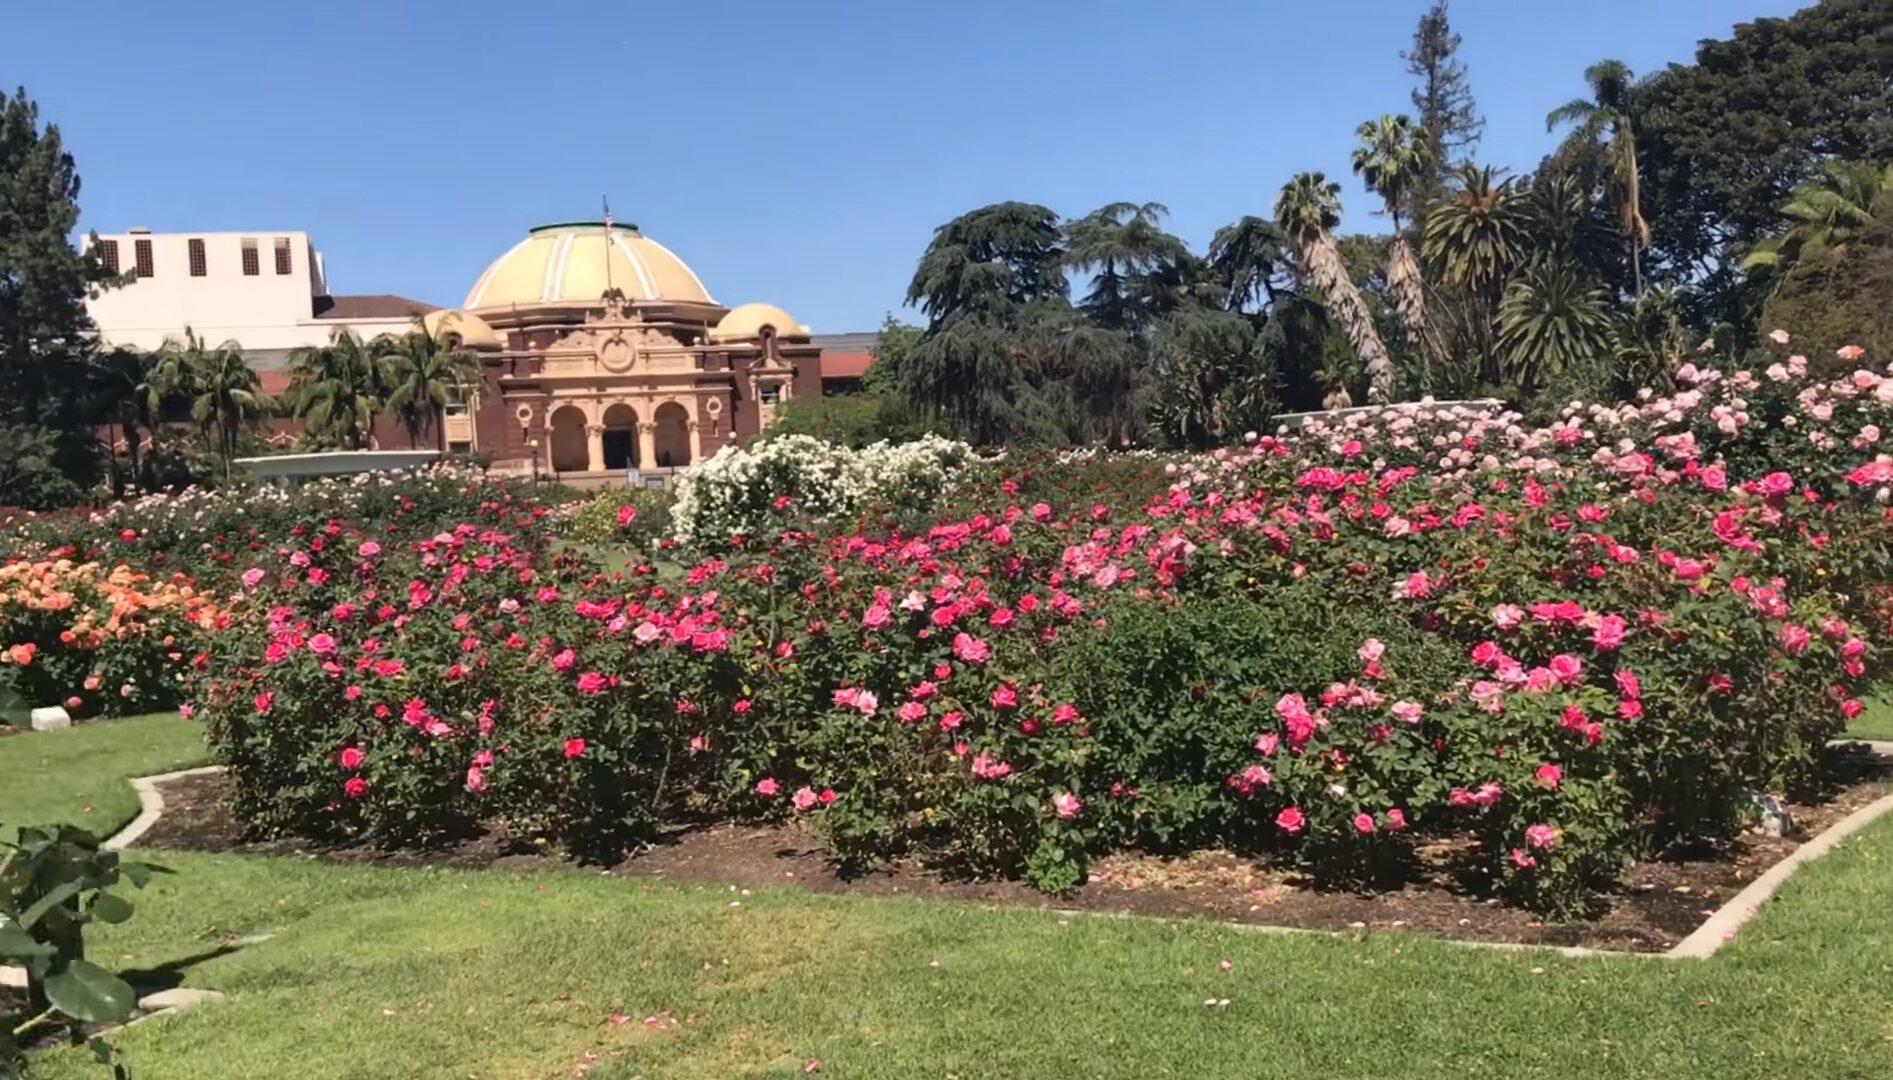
x,y
265,311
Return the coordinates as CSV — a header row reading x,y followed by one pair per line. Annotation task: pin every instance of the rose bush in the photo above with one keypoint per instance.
x,y
98,642
1570,644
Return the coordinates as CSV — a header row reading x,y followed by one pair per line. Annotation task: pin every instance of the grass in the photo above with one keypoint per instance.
x,y
373,972
80,775
1877,721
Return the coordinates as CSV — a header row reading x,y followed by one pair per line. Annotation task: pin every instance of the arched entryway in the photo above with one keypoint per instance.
x,y
673,435
621,438
569,452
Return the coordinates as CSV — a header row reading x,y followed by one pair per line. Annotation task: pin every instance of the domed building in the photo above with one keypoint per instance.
x,y
603,352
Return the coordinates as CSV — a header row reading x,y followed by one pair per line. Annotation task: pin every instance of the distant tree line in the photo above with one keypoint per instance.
x,y
1691,210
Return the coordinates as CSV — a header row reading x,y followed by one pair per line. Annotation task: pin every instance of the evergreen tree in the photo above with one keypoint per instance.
x,y
1443,107
46,339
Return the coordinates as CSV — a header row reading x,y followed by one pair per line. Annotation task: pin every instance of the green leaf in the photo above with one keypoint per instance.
x,y
17,944
54,897
113,909
89,993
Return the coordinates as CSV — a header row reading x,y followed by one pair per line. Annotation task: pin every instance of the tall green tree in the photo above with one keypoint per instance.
x,y
1308,210
1393,159
224,391
422,374
1442,105
1830,209
991,262
46,339
1605,119
1215,380
336,389
1123,246
1725,140
1247,263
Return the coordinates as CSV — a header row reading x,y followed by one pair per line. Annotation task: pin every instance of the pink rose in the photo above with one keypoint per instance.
x,y
1291,821
476,779
1407,712
1550,775
1371,651
1508,616
1364,823
1542,837
574,748
768,788
592,683
252,577
1005,697
627,515
355,788
804,798
1067,805
322,644
1396,819
1609,633
1566,667
351,757
1794,639
368,549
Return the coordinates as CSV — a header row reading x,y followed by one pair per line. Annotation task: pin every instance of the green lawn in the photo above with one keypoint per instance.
x,y
1877,721
80,775
410,973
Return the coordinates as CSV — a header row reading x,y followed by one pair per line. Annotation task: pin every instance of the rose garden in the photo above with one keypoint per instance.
x,y
1432,670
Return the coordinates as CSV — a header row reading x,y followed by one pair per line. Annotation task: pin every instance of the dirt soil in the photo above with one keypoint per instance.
x,y
1655,904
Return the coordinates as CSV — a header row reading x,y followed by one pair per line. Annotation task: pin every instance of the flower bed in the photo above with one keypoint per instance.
x,y
98,642
1571,644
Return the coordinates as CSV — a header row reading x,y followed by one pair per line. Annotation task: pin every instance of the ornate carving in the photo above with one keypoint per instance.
x,y
615,354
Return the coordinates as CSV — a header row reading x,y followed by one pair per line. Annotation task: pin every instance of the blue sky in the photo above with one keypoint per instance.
x,y
799,153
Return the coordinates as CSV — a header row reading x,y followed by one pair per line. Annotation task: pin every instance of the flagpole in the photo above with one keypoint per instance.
x,y
606,200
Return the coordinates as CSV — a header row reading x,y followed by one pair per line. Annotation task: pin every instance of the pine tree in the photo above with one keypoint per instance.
x,y
46,338
1442,104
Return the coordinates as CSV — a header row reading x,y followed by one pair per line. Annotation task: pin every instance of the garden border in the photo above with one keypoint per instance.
x,y
1703,942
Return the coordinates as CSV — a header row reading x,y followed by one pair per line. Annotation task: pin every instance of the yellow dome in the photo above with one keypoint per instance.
x,y
745,321
577,261
473,331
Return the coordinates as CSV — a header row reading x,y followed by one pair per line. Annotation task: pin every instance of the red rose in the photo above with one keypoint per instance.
x,y
574,748
355,788
352,757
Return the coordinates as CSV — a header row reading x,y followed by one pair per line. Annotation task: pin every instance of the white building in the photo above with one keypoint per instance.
x,y
267,291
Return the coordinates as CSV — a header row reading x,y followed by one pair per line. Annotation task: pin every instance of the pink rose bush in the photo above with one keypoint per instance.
x,y
1574,643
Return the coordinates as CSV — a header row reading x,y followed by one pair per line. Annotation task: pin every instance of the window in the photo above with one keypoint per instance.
x,y
282,255
198,266
108,255
456,401
142,250
252,266
769,393
460,447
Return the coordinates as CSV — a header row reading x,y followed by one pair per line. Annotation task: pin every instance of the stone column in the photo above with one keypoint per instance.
x,y
647,445
595,447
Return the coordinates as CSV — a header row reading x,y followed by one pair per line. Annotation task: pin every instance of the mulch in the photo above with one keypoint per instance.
x,y
1653,906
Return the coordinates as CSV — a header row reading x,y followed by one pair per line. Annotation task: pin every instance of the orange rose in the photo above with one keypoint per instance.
x,y
23,654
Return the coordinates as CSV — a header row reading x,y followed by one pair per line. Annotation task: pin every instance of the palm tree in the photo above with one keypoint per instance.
x,y
336,389
1124,246
1245,259
1824,212
424,374
1308,210
1394,157
1561,217
1477,236
225,392
123,398
1552,321
1606,118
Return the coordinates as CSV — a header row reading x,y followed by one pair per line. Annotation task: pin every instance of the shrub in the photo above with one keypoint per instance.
x,y
602,519
745,491
98,642
1570,644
